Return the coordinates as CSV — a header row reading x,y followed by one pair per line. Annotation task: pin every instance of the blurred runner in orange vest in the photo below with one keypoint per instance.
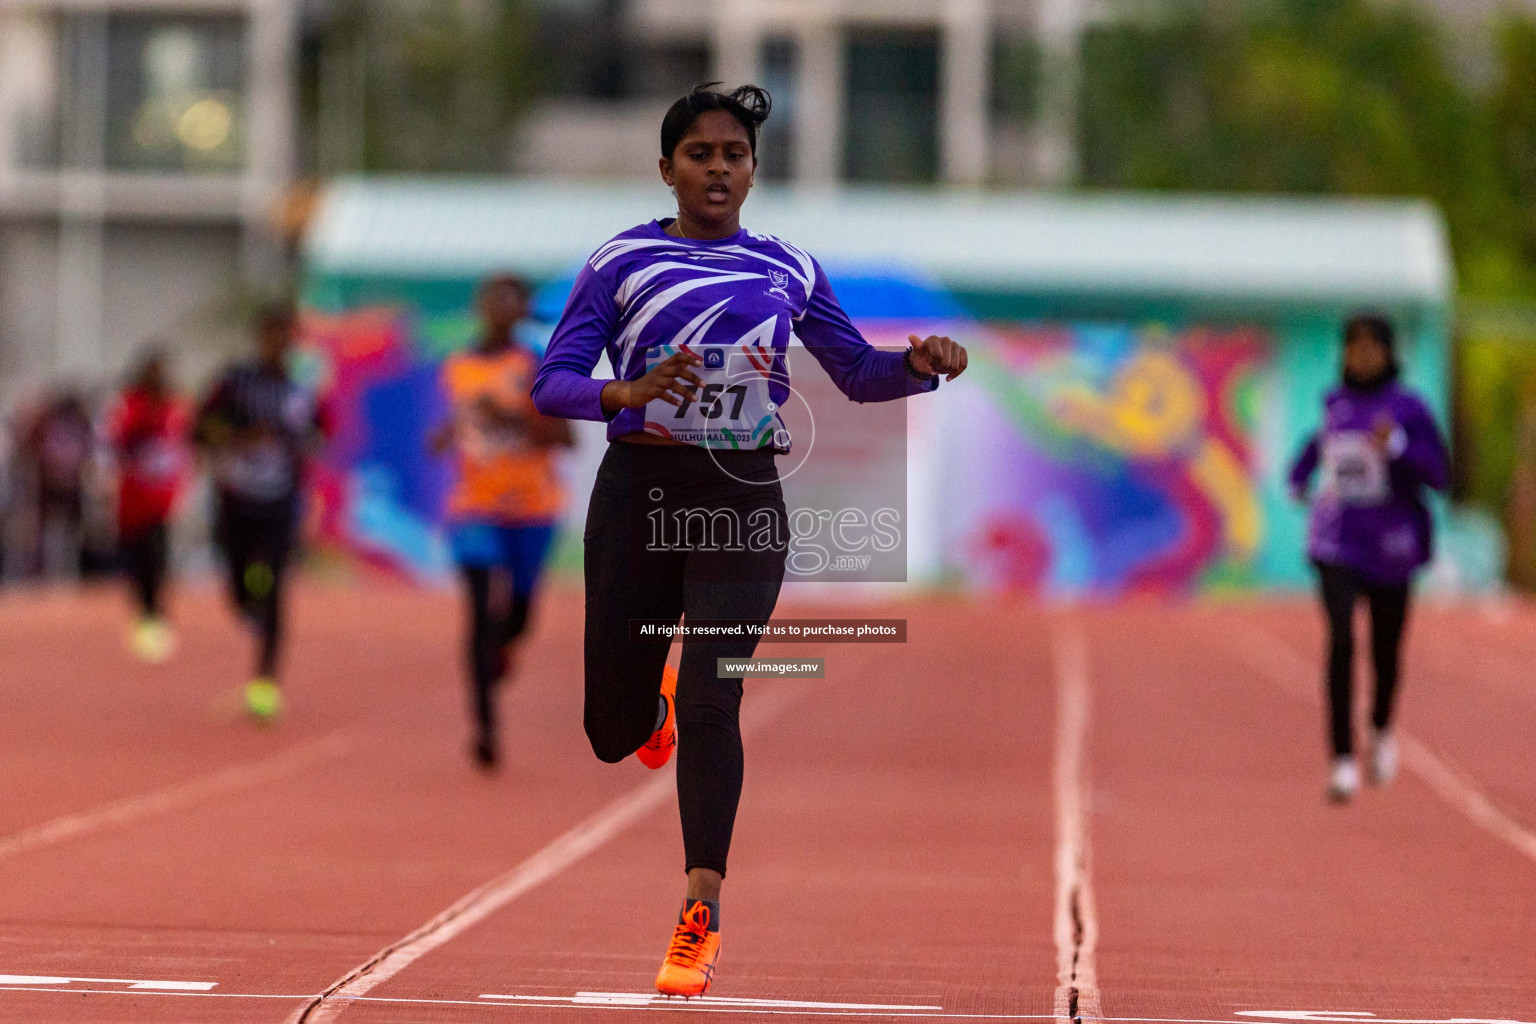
x,y
506,499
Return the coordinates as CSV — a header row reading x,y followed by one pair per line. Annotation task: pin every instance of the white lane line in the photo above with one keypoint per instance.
x,y
1333,1016
148,992
164,986
481,903
162,801
1076,923
692,1006
675,1006
648,998
1456,788
1286,668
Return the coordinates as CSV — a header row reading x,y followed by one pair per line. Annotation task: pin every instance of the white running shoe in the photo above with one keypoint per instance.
x,y
1344,780
1383,758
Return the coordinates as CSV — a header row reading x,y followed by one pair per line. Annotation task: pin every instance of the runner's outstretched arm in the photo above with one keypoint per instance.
x,y
1303,468
861,371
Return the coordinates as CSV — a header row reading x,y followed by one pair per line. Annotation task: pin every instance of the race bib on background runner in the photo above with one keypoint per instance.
x,y
260,471
1354,469
157,461
484,439
731,410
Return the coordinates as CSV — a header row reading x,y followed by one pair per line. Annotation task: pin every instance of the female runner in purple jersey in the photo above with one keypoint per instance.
x,y
1368,531
697,433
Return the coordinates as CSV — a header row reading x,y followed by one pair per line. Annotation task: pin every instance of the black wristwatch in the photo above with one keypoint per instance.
x,y
921,378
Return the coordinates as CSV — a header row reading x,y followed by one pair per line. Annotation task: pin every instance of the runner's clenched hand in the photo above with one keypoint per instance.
x,y
935,354
1381,433
670,380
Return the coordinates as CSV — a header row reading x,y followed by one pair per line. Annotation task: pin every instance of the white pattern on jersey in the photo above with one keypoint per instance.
x,y
806,272
636,286
661,300
699,326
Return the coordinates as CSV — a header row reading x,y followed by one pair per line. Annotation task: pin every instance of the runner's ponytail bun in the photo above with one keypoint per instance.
x,y
748,104
755,101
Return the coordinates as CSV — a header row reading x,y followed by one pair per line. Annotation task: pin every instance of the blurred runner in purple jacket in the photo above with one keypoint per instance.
x,y
1369,530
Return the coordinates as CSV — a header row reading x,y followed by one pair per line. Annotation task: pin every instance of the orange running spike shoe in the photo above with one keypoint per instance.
x,y
690,963
657,750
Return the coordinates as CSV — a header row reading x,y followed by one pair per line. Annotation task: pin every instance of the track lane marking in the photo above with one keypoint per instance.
x,y
7,980
1446,781
161,801
648,998
690,1006
469,910
1076,920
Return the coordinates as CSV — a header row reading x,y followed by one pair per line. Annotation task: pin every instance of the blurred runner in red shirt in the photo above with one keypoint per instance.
x,y
147,427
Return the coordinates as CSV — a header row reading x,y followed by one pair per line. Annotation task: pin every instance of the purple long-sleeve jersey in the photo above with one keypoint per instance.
x,y
1368,513
646,293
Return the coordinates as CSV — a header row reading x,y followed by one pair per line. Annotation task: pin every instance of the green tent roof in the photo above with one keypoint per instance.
x,y
1221,249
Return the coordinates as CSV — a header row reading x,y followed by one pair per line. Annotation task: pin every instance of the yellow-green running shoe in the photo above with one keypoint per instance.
x,y
263,699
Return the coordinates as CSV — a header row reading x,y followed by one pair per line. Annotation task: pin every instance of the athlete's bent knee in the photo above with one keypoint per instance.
x,y
611,742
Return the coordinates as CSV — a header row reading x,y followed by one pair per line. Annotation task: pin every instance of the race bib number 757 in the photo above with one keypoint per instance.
x,y
731,410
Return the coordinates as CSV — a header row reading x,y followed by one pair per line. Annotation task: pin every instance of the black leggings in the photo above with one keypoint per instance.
x,y
144,558
257,548
698,567
493,624
1341,589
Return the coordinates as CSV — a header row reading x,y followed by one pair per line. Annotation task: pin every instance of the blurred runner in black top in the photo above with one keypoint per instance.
x,y
257,426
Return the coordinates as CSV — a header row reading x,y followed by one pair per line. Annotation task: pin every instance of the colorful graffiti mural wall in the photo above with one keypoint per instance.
x,y
381,491
1076,459
1106,459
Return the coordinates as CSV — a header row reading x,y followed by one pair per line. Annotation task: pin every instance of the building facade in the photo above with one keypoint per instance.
x,y
959,92
143,147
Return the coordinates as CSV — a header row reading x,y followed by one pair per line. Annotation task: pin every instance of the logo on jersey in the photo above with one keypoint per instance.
x,y
714,358
780,284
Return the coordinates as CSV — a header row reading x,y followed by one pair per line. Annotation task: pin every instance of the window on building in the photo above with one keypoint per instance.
x,y
892,96
1018,78
175,93
780,62
29,80
588,50
665,71
580,43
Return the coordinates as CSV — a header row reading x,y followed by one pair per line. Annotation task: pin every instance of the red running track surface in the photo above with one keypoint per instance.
x,y
898,852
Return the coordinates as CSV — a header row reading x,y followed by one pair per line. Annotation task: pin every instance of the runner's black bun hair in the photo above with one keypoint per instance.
x,y
749,104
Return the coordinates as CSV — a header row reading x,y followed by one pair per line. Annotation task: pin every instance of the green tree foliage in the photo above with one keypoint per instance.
x,y
422,85
1343,97
1512,107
